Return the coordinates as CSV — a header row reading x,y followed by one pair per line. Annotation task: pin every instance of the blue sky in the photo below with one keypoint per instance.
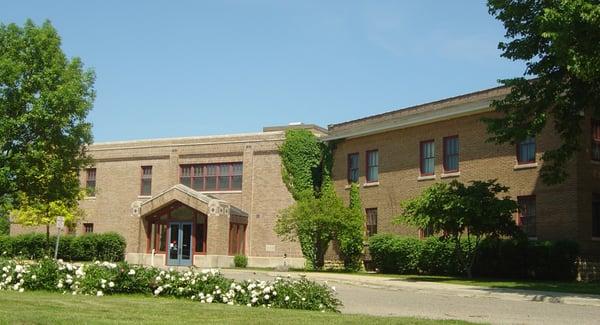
x,y
185,68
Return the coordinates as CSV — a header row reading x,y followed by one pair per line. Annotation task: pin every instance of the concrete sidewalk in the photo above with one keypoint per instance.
x,y
390,283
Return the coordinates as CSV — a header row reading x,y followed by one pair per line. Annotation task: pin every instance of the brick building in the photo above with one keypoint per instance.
x,y
201,200
394,156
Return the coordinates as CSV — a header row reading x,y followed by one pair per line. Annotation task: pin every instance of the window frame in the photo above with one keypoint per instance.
x,y
145,177
520,215
595,140
595,216
445,155
367,155
370,226
204,175
422,157
90,190
520,160
88,228
350,169
237,238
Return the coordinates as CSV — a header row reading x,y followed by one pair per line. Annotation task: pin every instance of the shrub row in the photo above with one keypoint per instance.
x,y
89,247
206,286
505,258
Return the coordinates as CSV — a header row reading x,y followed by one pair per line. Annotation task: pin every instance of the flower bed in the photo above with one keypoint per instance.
x,y
206,286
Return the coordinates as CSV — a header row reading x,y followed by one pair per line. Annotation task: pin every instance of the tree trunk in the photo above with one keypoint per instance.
x,y
47,238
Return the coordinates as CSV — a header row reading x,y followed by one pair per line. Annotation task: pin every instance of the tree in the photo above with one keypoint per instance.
x,y
32,213
560,42
455,210
314,222
352,232
44,101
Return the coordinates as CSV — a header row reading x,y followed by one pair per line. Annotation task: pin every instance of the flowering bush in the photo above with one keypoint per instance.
x,y
205,286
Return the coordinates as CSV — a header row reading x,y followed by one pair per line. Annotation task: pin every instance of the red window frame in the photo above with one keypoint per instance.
x,y
237,238
595,153
146,178
90,181
231,173
88,228
371,221
520,160
446,155
352,168
422,158
368,167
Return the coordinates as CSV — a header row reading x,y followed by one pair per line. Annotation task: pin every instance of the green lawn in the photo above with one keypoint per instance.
x,y
554,286
54,308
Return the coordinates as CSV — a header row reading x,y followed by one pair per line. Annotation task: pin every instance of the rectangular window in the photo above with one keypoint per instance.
x,y
88,228
596,216
201,234
90,181
451,150
372,166
596,140
427,153
353,167
237,238
527,215
526,151
371,221
212,177
146,188
158,237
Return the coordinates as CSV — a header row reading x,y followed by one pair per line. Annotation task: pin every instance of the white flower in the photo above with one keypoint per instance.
x,y
303,299
333,288
287,298
248,305
103,281
59,285
267,290
131,272
230,303
21,290
209,299
99,293
225,299
254,300
18,268
266,297
274,293
33,277
111,284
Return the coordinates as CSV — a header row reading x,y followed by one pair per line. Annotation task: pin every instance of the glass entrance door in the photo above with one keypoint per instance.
x,y
180,244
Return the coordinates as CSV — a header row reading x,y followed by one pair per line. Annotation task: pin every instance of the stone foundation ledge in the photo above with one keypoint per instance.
x,y
216,261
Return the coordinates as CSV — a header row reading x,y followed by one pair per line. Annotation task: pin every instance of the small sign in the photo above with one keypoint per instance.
x,y
60,222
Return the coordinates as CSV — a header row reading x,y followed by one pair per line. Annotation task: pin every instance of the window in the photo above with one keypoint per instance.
x,y
353,168
237,238
146,188
526,219
158,237
596,140
427,157
372,166
212,177
451,154
88,228
90,181
596,216
526,151
371,221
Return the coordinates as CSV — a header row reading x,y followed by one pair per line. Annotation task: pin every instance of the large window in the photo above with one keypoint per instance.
x,y
158,237
596,216
90,181
237,238
371,221
596,140
88,228
427,153
146,188
372,166
526,151
451,154
527,215
200,234
212,177
353,167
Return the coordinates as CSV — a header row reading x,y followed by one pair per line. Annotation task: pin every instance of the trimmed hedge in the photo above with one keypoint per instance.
x,y
89,247
502,258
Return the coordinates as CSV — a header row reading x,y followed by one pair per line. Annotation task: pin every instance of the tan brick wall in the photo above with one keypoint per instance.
x,y
559,213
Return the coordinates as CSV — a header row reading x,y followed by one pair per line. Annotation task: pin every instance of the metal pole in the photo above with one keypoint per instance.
x,y
56,248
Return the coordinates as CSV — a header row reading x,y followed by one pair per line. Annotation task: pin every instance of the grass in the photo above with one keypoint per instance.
x,y
552,286
55,308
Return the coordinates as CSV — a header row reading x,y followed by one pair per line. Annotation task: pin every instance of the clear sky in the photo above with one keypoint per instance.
x,y
185,68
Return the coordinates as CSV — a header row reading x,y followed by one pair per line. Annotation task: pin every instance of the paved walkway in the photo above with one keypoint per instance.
x,y
391,296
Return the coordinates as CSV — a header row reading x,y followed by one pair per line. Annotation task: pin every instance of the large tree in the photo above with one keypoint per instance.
x,y
560,42
44,101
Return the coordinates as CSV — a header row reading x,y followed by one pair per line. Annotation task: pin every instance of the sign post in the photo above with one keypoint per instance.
x,y
60,224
